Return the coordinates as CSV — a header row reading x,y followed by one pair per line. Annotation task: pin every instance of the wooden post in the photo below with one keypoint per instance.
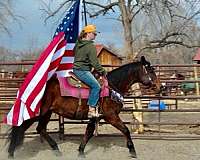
x,y
2,74
1,120
138,116
196,78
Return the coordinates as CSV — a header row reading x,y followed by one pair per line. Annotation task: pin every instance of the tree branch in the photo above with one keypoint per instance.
x,y
50,13
105,8
166,43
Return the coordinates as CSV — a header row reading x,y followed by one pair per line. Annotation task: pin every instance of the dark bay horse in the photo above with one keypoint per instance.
x,y
119,79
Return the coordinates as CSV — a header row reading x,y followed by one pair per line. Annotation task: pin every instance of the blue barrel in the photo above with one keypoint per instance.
x,y
154,104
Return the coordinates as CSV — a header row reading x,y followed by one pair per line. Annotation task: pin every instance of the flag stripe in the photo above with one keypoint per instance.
x,y
69,53
41,60
54,64
70,46
59,52
57,58
65,66
63,73
37,77
16,110
37,99
36,90
67,60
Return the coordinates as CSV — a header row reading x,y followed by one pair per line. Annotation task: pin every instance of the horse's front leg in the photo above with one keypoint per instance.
x,y
115,121
89,133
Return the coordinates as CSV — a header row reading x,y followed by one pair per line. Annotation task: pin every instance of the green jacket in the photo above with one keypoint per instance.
x,y
86,57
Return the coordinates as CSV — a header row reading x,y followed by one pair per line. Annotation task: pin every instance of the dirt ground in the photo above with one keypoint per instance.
x,y
103,148
114,148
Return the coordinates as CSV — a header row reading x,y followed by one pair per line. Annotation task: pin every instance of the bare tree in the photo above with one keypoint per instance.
x,y
7,14
165,22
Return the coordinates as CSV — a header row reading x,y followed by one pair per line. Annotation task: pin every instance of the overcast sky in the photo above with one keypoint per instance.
x,y
35,33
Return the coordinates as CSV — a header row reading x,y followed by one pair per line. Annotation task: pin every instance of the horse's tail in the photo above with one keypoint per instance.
x,y
16,135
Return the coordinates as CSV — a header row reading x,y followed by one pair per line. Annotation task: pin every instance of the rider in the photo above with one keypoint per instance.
x,y
85,59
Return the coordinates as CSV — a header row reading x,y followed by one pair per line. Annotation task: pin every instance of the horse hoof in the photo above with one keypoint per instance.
x,y
57,153
10,156
81,155
133,155
41,139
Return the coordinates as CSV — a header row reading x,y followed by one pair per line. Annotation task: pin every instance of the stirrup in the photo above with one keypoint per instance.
x,y
94,113
97,112
91,114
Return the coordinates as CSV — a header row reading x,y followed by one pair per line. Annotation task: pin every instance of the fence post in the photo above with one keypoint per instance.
x,y
196,78
137,116
2,74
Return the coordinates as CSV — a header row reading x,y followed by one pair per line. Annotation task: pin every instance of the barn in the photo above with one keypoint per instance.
x,y
107,57
197,57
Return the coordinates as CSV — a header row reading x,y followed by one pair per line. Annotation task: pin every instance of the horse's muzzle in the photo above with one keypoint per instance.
x,y
156,87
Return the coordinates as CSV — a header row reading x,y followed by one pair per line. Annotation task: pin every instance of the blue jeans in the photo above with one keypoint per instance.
x,y
90,80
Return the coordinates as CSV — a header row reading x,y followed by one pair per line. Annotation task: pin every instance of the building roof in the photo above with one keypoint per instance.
x,y
100,47
197,56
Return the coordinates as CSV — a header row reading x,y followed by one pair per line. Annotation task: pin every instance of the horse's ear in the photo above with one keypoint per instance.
x,y
142,60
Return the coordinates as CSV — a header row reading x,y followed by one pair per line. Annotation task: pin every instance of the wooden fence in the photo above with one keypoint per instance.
x,y
10,82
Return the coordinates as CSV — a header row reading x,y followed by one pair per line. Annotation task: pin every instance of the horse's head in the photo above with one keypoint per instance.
x,y
121,79
148,76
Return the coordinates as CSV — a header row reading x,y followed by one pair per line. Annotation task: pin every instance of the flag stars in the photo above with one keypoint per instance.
x,y
68,25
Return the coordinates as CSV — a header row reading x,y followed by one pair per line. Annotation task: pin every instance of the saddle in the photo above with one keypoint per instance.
x,y
75,82
72,86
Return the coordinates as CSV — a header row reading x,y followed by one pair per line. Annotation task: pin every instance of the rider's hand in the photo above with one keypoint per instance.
x,y
105,74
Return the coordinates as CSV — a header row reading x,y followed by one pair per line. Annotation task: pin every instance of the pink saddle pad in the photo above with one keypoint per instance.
x,y
68,90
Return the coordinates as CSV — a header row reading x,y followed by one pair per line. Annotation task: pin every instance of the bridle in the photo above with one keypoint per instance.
x,y
146,70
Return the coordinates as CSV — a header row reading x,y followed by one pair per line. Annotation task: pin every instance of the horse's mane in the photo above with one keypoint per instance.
x,y
125,67
119,75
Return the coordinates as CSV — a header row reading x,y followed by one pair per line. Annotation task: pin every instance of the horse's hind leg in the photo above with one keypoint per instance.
x,y
41,129
115,121
16,135
89,133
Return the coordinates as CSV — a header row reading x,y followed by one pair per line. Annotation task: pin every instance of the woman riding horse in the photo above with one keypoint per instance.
x,y
119,79
85,59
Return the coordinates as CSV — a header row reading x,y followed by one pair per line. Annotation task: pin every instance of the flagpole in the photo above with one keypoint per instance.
x,y
84,11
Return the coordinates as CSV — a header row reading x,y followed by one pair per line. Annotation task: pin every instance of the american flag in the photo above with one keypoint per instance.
x,y
56,58
71,29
